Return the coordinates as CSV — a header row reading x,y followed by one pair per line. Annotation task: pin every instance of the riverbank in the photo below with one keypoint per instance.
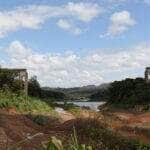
x,y
129,124
92,129
26,124
79,104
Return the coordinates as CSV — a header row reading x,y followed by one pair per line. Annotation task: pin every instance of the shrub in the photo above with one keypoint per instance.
x,y
39,119
129,93
96,134
20,103
56,144
9,81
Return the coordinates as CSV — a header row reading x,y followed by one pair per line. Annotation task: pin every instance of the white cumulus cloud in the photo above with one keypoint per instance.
x,y
70,69
69,26
84,11
120,22
33,16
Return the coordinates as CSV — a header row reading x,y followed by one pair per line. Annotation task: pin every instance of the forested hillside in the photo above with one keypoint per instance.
x,y
80,93
128,93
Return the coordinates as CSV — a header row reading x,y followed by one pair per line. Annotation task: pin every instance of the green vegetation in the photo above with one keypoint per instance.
x,y
100,95
65,105
35,90
130,93
9,81
73,144
76,111
70,107
80,93
18,102
94,133
39,119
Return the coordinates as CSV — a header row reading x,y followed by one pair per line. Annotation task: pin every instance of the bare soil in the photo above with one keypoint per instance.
x,y
16,129
130,125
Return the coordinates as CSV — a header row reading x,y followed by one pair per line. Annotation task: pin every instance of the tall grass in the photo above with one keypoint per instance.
x,y
56,144
95,133
20,103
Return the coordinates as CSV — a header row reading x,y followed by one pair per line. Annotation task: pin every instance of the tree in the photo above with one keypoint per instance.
x,y
34,88
9,80
130,91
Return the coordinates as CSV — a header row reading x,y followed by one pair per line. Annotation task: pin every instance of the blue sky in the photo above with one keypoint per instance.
x,y
75,43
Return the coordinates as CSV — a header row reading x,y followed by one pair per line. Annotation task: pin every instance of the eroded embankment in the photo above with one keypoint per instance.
x,y
17,129
130,125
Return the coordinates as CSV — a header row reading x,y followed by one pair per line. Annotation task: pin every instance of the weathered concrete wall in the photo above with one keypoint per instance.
x,y
147,74
22,76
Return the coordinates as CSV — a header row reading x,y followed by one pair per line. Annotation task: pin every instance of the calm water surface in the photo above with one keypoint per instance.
x,y
91,105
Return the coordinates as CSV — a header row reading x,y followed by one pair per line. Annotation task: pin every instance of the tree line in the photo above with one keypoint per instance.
x,y
129,92
9,81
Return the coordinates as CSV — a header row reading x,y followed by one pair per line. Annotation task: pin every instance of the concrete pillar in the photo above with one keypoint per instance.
x,y
147,74
23,76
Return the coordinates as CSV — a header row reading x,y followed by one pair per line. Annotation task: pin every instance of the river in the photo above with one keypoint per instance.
x,y
92,105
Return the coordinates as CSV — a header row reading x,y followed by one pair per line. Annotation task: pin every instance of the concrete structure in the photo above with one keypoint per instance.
x,y
147,74
22,76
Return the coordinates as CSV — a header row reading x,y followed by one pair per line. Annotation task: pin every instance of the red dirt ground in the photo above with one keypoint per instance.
x,y
15,127
132,125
